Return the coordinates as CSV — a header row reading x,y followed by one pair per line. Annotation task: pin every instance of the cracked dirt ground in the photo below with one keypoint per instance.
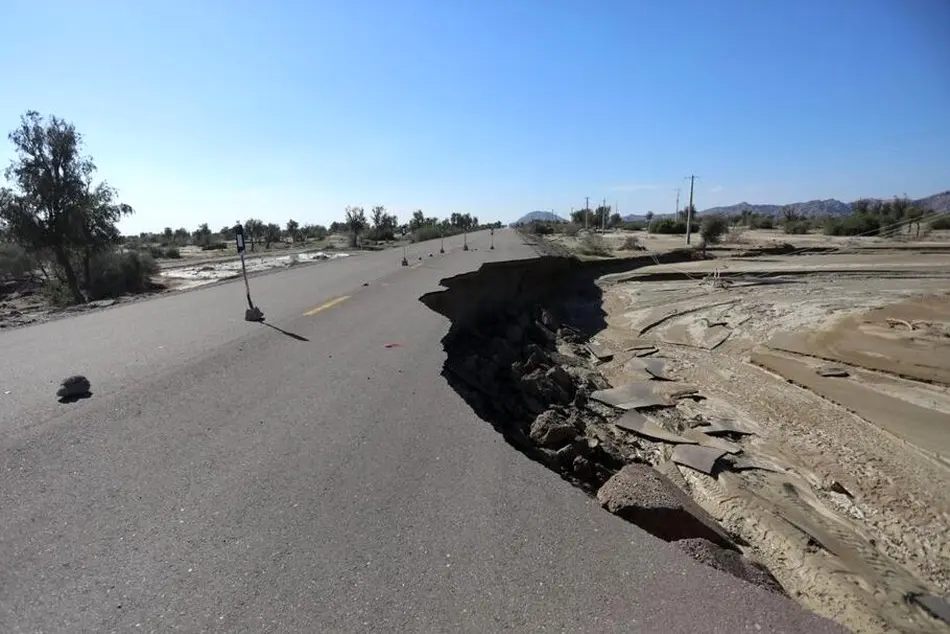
x,y
851,504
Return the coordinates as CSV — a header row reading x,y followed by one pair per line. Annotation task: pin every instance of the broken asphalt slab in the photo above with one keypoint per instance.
x,y
643,496
631,396
634,421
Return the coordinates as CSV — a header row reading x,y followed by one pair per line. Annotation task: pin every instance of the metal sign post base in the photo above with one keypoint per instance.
x,y
253,313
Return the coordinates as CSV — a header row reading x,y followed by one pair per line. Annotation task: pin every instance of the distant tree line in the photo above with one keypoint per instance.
x,y
383,226
868,217
899,216
59,224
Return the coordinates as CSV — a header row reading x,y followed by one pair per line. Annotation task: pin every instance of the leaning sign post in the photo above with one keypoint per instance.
x,y
253,313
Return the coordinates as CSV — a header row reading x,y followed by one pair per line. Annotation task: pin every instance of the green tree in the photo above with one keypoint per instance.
x,y
649,216
182,236
417,221
272,234
293,230
253,231
356,223
314,232
54,205
202,236
601,214
580,216
712,229
378,214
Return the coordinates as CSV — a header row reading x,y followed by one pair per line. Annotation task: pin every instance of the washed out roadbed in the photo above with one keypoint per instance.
x,y
790,429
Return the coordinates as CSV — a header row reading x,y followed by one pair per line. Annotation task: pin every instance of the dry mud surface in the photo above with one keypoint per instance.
x,y
838,367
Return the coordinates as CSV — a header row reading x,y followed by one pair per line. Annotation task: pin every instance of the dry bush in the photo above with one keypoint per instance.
x,y
631,243
593,244
736,235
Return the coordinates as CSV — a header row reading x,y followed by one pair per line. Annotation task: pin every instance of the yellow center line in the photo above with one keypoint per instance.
x,y
329,304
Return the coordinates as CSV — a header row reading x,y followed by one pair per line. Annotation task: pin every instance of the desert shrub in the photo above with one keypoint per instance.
x,y
57,293
15,262
571,229
112,274
383,234
431,232
941,223
593,244
172,253
856,224
670,226
736,235
428,232
156,252
541,228
215,246
632,225
761,222
796,227
631,243
713,228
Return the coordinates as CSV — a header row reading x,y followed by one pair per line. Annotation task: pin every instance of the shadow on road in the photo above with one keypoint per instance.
x,y
65,400
285,332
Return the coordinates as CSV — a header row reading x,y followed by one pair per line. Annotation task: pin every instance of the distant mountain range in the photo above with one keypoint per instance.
x,y
818,208
811,209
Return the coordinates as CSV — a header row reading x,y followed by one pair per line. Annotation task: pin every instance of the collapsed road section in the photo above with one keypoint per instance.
x,y
519,358
521,350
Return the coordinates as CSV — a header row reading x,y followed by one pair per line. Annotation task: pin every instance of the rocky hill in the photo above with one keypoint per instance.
x,y
538,216
937,202
810,209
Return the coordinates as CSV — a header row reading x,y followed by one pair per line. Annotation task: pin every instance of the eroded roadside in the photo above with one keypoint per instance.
x,y
690,441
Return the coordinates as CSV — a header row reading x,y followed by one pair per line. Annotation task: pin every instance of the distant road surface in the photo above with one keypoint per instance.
x,y
230,477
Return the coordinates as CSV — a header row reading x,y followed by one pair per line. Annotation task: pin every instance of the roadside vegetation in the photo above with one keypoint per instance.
x,y
59,235
59,224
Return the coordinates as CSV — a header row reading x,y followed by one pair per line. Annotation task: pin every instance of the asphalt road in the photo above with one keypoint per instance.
x,y
232,477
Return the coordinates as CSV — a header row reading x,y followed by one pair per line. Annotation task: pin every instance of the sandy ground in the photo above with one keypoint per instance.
x,y
28,305
849,503
200,274
745,238
193,255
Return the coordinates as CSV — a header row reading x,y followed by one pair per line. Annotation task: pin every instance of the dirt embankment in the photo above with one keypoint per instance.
x,y
655,450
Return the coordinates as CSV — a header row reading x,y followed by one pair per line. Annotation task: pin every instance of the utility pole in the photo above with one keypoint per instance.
x,y
603,219
689,210
586,211
677,202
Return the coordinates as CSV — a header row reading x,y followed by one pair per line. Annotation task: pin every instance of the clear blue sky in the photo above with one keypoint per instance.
x,y
217,110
